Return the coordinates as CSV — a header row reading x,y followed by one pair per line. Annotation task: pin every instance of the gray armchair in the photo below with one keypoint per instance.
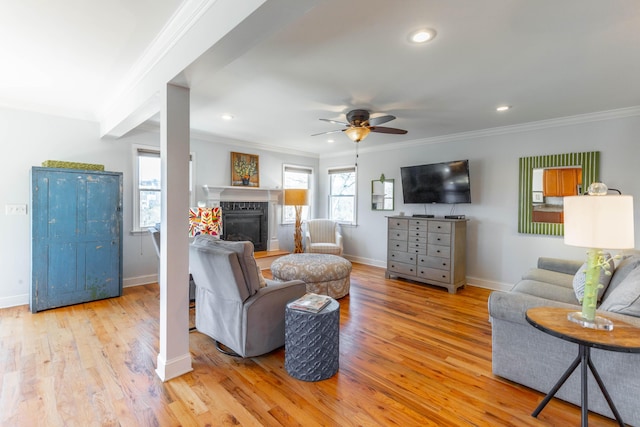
x,y
234,305
323,236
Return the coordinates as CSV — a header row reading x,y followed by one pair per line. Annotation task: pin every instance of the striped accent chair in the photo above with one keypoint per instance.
x,y
323,236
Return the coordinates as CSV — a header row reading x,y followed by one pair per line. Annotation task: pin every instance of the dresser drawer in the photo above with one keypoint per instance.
x,y
418,226
398,224
439,251
417,239
397,245
420,249
404,257
434,262
434,274
399,267
418,245
397,234
439,239
439,227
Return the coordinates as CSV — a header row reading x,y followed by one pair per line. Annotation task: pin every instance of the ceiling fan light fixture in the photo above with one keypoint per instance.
x,y
422,35
357,134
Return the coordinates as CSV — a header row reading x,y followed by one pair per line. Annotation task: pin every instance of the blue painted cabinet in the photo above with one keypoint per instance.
x,y
76,236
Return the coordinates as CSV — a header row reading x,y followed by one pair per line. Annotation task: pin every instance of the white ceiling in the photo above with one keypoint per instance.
x,y
546,58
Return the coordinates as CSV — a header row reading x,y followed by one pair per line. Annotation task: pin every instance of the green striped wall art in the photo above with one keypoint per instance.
x,y
590,163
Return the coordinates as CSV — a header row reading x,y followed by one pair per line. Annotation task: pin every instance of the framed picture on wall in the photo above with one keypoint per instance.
x,y
245,170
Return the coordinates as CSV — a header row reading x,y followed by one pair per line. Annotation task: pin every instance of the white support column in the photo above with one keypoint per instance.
x,y
174,358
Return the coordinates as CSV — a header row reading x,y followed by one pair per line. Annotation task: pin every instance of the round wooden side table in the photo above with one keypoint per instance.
x,y
623,338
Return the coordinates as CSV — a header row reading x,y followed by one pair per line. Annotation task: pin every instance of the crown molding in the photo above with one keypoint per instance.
x,y
503,130
151,126
184,18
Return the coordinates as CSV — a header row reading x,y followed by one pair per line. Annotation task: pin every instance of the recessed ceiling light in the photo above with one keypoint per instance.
x,y
330,141
227,117
503,108
422,35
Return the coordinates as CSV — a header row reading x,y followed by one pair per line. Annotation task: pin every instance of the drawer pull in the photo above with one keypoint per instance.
x,y
439,227
411,269
438,251
444,277
393,255
438,239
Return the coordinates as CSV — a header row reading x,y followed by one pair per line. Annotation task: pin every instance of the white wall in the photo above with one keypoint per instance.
x,y
28,139
214,168
497,255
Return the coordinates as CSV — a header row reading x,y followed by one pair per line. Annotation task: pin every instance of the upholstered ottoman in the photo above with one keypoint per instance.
x,y
323,274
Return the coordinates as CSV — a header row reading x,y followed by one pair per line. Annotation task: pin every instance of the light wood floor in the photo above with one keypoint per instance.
x,y
410,355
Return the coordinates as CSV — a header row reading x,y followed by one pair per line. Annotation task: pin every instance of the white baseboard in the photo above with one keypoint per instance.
x,y
471,281
173,368
14,301
366,261
487,284
139,280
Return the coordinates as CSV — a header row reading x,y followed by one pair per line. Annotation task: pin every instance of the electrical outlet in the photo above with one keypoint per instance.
x,y
15,209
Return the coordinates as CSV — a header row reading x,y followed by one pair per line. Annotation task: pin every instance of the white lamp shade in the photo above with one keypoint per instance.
x,y
296,197
603,222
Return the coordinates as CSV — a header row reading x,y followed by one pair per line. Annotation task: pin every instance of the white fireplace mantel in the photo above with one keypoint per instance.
x,y
216,194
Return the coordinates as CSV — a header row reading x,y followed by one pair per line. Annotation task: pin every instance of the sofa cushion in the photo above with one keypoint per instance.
x,y
605,277
625,298
548,276
546,290
626,266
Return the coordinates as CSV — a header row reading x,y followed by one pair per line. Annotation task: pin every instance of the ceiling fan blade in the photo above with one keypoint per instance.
x,y
336,122
380,120
382,129
331,131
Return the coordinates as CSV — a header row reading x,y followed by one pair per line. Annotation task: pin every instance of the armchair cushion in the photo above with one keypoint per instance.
x,y
323,236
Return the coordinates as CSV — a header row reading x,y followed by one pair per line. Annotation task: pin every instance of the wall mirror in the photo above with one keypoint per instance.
x,y
382,194
544,181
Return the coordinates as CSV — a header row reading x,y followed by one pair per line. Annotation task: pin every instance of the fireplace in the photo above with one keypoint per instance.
x,y
246,221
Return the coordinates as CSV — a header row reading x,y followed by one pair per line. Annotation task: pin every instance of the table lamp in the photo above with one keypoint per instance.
x,y
297,197
597,221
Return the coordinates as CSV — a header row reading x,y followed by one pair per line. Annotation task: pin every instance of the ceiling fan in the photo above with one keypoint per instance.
x,y
360,125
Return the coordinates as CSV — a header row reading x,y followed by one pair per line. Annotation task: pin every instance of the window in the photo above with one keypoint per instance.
x,y
147,206
342,194
147,187
296,177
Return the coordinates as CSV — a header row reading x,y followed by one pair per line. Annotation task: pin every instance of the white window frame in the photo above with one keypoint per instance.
x,y
153,151
337,170
306,210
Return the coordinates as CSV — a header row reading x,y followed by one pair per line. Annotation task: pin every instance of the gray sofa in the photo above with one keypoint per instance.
x,y
535,359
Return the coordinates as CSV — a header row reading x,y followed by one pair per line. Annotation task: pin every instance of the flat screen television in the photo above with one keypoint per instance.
x,y
446,182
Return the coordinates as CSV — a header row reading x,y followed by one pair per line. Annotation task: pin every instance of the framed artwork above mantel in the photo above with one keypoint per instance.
x,y
245,170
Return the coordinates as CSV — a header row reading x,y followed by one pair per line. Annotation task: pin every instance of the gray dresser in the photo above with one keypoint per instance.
x,y
428,250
